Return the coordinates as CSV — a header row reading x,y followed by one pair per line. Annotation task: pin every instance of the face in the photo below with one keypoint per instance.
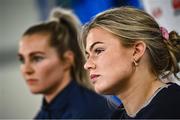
x,y
108,62
41,67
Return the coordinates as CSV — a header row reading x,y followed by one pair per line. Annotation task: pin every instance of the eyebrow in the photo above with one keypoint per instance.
x,y
31,54
91,47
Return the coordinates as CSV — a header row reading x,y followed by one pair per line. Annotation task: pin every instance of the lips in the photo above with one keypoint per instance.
x,y
94,77
32,81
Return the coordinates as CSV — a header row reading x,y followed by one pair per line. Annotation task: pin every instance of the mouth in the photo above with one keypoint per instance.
x,y
32,81
94,78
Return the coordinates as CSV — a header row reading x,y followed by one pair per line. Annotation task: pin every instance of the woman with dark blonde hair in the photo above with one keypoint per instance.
x,y
129,55
52,65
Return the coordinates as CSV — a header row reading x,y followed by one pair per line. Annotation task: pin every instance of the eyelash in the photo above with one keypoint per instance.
x,y
37,58
97,51
21,60
33,59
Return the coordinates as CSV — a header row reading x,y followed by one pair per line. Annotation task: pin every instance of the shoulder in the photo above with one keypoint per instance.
x,y
88,103
169,93
89,98
168,97
165,104
88,95
174,87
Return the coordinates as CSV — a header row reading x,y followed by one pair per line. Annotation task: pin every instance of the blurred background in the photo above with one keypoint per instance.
x,y
17,15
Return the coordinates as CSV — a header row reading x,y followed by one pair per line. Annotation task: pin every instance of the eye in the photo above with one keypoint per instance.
x,y
37,58
21,59
97,51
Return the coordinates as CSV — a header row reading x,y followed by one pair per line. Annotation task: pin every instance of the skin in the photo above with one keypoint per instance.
x,y
103,58
112,70
44,72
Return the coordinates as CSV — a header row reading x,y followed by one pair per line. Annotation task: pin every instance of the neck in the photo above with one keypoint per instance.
x,y
139,90
51,94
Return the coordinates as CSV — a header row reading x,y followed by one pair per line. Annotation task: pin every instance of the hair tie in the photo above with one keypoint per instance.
x,y
164,33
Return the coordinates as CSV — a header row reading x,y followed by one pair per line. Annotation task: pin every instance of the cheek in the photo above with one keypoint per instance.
x,y
115,62
49,71
44,68
120,68
22,71
114,70
56,72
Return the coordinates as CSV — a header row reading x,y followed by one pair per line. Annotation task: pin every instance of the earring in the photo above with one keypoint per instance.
x,y
135,63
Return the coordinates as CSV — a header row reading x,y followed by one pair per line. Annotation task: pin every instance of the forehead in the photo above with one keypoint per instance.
x,y
34,42
101,35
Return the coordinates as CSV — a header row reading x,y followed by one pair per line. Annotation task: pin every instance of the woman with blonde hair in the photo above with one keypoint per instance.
x,y
129,55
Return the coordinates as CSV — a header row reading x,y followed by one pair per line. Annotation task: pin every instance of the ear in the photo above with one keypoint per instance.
x,y
139,50
68,59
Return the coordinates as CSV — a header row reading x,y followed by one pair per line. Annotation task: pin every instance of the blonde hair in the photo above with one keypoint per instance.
x,y
131,25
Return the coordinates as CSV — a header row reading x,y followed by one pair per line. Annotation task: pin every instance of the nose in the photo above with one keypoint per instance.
x,y
27,69
89,64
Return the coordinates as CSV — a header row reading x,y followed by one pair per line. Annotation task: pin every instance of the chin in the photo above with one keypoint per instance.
x,y
35,91
102,91
103,88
